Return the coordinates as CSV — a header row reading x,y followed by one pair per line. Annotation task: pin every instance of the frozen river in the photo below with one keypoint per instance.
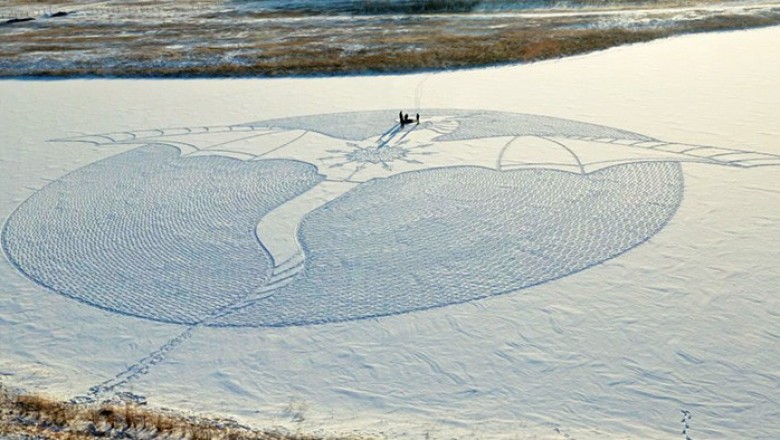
x,y
580,248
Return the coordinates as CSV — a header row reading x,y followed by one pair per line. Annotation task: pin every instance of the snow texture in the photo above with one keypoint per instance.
x,y
433,238
472,125
685,321
151,234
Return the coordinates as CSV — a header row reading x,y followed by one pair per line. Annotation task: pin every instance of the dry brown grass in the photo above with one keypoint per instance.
x,y
221,47
45,418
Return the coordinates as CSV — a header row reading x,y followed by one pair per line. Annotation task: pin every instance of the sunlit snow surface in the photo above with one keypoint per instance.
x,y
489,247
151,234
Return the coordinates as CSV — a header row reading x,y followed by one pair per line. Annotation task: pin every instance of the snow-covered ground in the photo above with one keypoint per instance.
x,y
488,273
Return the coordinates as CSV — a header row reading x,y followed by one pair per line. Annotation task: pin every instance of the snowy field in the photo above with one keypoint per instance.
x,y
580,249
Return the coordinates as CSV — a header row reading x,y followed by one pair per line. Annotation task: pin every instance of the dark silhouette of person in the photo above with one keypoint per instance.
x,y
406,119
401,117
418,119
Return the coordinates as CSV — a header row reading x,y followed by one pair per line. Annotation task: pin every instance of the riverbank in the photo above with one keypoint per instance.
x,y
215,39
32,416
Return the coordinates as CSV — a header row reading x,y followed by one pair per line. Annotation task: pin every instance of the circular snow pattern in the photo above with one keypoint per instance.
x,y
155,234
149,234
429,239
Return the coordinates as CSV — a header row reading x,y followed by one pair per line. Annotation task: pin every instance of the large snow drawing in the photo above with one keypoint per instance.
x,y
338,217
329,218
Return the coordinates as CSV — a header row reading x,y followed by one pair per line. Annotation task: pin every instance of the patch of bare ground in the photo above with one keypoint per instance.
x,y
26,416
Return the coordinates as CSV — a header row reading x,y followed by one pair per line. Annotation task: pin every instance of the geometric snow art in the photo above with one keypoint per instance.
x,y
337,217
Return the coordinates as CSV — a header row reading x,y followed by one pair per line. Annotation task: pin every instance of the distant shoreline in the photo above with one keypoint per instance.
x,y
214,43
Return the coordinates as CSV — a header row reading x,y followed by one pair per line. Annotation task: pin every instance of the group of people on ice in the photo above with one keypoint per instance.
x,y
405,119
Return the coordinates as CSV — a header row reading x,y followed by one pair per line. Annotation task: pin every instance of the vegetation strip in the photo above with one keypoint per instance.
x,y
28,416
285,43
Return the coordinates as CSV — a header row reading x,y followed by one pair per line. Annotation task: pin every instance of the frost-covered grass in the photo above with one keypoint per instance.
x,y
32,416
264,38
232,43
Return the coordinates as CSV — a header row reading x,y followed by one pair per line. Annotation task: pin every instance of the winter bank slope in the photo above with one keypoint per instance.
x,y
522,275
